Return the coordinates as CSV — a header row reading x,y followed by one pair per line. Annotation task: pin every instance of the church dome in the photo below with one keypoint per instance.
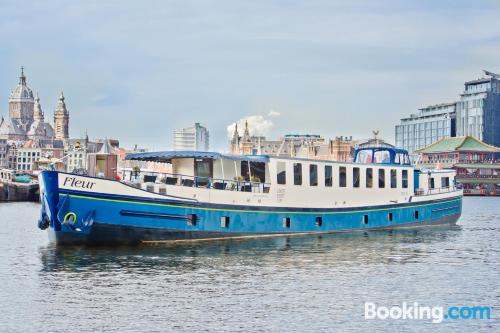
x,y
22,92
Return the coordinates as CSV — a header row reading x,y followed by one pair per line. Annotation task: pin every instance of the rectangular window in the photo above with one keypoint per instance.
x,y
355,177
297,173
381,178
328,176
313,175
281,173
389,217
394,178
342,177
369,177
404,179
445,182
432,183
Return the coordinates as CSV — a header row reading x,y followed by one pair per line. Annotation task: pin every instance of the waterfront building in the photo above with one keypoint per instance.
x,y
26,119
338,149
288,145
12,156
478,111
312,146
477,114
195,138
77,151
429,125
254,144
33,150
476,163
3,153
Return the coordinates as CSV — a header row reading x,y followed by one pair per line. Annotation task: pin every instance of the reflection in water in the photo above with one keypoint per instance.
x,y
294,284
331,249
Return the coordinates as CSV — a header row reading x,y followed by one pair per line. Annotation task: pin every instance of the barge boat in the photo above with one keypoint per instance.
x,y
211,196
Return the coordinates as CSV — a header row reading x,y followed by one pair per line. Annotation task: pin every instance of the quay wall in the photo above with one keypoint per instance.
x,y
10,191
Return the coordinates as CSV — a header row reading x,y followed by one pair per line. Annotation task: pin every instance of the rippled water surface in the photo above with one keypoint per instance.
x,y
303,284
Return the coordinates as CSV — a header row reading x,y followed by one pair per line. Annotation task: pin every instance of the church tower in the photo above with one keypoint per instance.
x,y
37,110
235,141
247,144
61,120
21,104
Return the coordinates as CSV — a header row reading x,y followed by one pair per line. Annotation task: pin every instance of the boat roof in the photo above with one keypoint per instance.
x,y
394,149
167,156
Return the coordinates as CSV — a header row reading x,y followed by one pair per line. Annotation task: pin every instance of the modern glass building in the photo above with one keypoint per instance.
x,y
478,111
191,138
431,124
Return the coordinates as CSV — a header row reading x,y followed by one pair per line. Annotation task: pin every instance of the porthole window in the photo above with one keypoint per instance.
x,y
224,221
286,222
319,221
191,219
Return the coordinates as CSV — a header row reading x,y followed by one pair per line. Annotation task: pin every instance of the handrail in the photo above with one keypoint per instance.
x,y
451,188
176,179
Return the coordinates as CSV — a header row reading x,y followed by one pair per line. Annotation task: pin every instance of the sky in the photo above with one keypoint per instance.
x,y
136,70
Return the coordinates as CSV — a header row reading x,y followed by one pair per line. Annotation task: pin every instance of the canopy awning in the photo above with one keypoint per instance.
x,y
167,156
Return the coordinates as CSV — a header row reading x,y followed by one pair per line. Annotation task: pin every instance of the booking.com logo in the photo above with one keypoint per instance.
x,y
415,311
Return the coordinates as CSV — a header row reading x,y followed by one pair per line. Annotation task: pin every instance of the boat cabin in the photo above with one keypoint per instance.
x,y
378,175
209,170
381,155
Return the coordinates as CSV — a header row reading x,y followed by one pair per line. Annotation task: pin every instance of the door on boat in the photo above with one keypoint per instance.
x,y
203,170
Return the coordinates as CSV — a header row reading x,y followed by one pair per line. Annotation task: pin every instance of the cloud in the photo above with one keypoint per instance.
x,y
328,63
273,114
257,125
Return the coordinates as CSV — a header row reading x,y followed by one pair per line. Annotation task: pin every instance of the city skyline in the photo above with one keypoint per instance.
x,y
309,63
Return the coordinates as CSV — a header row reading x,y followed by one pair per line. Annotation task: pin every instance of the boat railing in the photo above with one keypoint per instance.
x,y
174,179
451,188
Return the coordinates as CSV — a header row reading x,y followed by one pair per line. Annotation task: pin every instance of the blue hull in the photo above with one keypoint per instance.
x,y
104,218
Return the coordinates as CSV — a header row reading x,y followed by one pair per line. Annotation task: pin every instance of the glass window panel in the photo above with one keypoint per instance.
x,y
342,177
313,175
355,177
297,173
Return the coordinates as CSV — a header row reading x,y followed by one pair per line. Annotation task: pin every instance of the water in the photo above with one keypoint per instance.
x,y
303,284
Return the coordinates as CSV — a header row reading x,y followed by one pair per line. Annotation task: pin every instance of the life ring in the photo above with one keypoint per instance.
x,y
69,216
